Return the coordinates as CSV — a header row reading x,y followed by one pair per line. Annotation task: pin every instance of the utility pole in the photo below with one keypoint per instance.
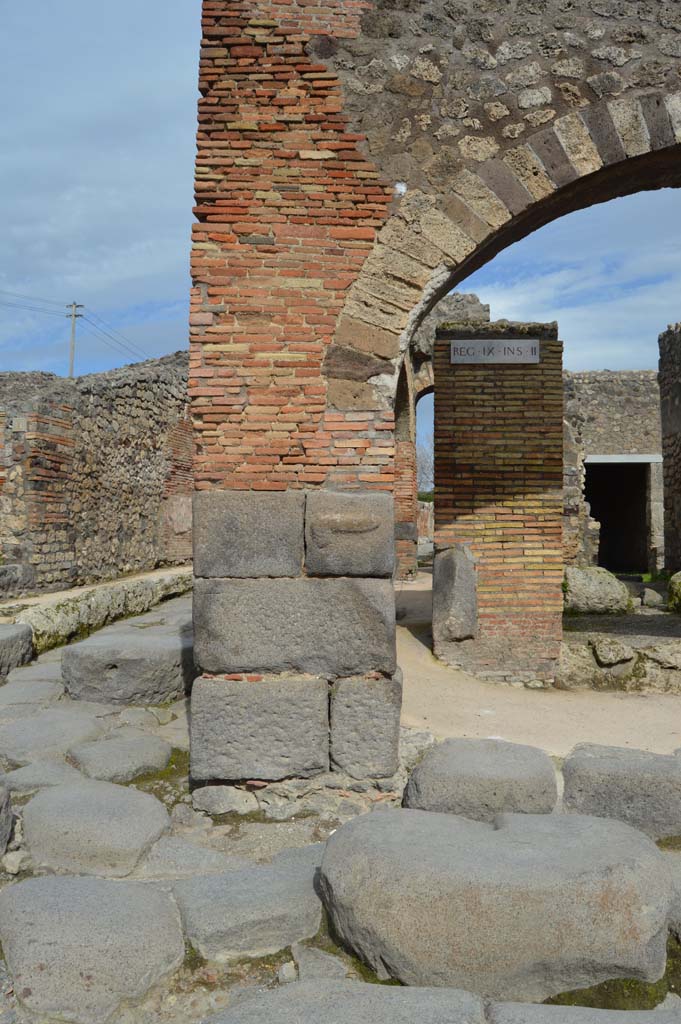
x,y
74,314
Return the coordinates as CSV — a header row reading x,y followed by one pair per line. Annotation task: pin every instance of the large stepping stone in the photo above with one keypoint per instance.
x,y
253,912
529,908
526,1013
481,778
39,775
79,947
635,786
121,758
16,646
47,734
92,828
41,691
126,665
338,1002
175,857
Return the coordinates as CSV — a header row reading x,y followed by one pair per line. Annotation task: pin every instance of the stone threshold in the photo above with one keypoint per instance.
x,y
58,618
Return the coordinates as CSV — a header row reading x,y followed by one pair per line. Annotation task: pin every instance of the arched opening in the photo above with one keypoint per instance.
x,y
614,416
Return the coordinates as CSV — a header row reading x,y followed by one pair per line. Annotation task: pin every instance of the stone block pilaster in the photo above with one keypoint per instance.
x,y
294,632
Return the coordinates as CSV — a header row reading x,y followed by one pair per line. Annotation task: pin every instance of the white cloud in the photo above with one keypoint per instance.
x,y
610,276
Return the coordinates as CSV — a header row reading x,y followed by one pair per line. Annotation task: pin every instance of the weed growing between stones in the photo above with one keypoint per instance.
x,y
193,961
629,993
169,784
328,942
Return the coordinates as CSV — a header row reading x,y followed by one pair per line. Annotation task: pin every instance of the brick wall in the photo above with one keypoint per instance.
x,y
498,490
288,208
95,475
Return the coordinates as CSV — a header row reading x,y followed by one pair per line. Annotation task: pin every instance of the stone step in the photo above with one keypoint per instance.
x,y
131,665
530,907
77,948
92,828
481,778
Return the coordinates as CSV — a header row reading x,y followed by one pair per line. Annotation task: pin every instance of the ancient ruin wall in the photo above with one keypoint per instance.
x,y
95,475
616,412
670,405
608,412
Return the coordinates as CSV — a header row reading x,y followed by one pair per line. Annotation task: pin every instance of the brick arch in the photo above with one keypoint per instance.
x,y
432,242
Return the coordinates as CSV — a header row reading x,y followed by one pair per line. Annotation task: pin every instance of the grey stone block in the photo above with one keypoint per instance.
x,y
339,627
527,1013
548,148
635,786
16,646
173,857
349,534
77,948
658,122
455,596
601,127
254,912
224,800
482,778
595,591
505,185
365,726
129,665
248,533
316,965
92,828
121,758
5,818
39,775
47,734
39,692
346,1002
435,899
264,730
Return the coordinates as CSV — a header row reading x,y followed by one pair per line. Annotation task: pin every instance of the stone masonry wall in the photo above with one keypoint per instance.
x,y
498,492
609,412
670,404
618,411
95,475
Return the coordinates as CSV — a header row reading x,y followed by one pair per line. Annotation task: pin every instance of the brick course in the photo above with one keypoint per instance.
x,y
288,208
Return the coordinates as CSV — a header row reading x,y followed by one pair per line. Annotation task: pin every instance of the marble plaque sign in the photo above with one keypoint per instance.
x,y
498,350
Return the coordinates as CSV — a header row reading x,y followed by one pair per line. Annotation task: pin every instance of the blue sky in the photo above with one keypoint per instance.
x,y
610,276
98,121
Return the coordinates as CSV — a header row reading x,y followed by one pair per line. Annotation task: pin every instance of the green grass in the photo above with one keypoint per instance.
x,y
629,993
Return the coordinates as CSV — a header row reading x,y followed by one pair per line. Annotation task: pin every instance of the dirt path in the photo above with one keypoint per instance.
x,y
452,703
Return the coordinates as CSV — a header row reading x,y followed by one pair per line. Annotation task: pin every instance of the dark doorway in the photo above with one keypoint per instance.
x,y
617,494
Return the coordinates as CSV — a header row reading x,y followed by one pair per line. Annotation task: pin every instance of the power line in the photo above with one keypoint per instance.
x,y
128,346
101,340
118,334
116,340
31,298
33,309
